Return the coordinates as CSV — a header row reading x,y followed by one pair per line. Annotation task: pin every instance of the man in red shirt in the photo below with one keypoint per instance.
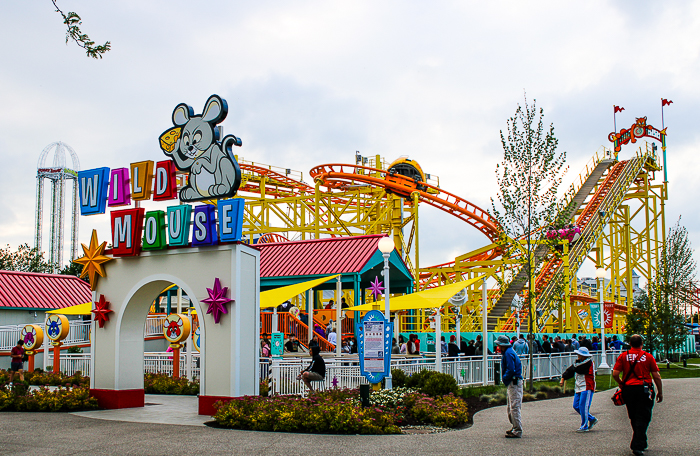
x,y
639,368
16,363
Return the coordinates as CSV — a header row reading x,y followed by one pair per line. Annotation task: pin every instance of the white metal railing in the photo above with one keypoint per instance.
x,y
154,325
162,363
70,363
465,370
78,334
344,372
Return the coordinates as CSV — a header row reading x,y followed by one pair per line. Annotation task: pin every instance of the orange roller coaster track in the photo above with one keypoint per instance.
x,y
344,176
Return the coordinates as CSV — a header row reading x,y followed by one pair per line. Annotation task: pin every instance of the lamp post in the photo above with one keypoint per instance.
x,y
600,275
386,246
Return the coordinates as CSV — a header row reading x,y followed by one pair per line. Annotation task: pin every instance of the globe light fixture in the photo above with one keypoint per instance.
x,y
385,245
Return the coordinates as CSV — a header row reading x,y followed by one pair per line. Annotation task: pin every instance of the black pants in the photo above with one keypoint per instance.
x,y
639,406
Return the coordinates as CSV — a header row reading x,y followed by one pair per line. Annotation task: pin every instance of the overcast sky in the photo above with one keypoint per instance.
x,y
312,82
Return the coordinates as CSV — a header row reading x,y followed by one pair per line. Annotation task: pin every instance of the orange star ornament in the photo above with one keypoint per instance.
x,y
93,260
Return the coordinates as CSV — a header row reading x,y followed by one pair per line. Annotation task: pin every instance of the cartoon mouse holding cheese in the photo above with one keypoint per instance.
x,y
194,146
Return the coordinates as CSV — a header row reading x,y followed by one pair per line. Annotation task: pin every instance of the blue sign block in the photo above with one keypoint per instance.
x,y
92,188
179,225
231,219
374,343
204,225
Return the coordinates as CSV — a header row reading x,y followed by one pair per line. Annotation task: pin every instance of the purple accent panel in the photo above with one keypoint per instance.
x,y
119,188
204,225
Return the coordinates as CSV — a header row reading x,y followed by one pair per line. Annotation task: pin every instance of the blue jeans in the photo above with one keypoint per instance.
x,y
582,404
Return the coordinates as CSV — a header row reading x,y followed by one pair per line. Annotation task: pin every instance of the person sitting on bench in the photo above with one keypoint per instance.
x,y
316,372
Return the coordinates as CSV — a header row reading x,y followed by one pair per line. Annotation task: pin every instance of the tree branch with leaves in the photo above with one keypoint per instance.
x,y
73,22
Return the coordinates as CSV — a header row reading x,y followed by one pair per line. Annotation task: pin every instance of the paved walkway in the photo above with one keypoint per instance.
x,y
549,430
159,409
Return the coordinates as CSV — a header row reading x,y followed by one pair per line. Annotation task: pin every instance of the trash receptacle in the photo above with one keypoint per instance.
x,y
364,395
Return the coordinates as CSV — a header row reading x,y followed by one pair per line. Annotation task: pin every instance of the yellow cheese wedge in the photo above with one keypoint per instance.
x,y
169,138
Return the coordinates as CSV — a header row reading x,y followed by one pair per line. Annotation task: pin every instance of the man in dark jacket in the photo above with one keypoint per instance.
x,y
316,372
512,375
546,346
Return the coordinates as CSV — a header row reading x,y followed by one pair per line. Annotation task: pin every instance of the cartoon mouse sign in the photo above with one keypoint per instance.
x,y
194,146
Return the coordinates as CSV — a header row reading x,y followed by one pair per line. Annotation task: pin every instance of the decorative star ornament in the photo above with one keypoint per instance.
x,y
217,300
376,287
101,311
335,382
93,260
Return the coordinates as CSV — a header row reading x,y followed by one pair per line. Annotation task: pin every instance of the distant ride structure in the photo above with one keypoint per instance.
x,y
52,166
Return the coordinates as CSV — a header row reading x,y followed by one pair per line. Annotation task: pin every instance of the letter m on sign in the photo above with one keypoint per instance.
x,y
126,231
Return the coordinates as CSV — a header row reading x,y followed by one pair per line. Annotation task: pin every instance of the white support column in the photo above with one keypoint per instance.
x,y
338,310
310,316
458,328
484,334
274,319
188,356
179,300
47,347
438,343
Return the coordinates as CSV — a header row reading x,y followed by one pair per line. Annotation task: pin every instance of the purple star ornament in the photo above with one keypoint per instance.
x,y
376,287
217,300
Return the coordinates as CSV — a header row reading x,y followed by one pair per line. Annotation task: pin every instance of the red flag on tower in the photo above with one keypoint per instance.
x,y
618,109
665,102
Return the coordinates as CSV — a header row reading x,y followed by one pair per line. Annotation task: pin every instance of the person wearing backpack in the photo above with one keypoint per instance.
x,y
639,369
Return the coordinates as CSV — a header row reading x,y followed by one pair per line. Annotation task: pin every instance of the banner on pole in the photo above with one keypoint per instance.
x,y
608,310
595,314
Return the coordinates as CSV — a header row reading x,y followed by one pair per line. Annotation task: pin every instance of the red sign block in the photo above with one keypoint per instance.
x,y
608,311
166,185
127,225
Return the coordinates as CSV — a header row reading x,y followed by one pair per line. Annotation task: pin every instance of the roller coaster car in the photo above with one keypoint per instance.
x,y
411,172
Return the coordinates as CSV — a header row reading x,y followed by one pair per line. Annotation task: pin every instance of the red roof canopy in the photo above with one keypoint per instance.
x,y
317,256
30,290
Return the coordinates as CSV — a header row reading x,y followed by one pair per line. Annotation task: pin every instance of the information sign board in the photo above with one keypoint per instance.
x,y
375,346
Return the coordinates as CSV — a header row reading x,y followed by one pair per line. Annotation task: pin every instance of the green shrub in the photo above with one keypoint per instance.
x,y
264,388
439,384
541,395
74,349
445,411
41,378
474,391
335,412
528,397
557,390
544,387
19,399
432,383
398,378
165,384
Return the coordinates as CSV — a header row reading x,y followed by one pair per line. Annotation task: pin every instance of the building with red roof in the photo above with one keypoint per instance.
x,y
26,296
355,258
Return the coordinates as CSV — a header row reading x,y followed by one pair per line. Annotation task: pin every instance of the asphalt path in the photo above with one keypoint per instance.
x,y
550,429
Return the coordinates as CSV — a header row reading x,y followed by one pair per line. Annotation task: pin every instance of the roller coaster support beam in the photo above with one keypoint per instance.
x,y
416,198
566,314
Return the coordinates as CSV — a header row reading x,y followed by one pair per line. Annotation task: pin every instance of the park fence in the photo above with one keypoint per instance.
x,y
344,372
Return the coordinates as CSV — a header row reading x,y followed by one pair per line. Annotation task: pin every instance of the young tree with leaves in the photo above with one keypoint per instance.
x,y
73,22
657,313
528,180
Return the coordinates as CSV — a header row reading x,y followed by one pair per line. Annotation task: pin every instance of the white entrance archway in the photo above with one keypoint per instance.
x,y
229,351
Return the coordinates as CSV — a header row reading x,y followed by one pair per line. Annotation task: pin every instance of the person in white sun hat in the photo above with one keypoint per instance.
x,y
584,372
